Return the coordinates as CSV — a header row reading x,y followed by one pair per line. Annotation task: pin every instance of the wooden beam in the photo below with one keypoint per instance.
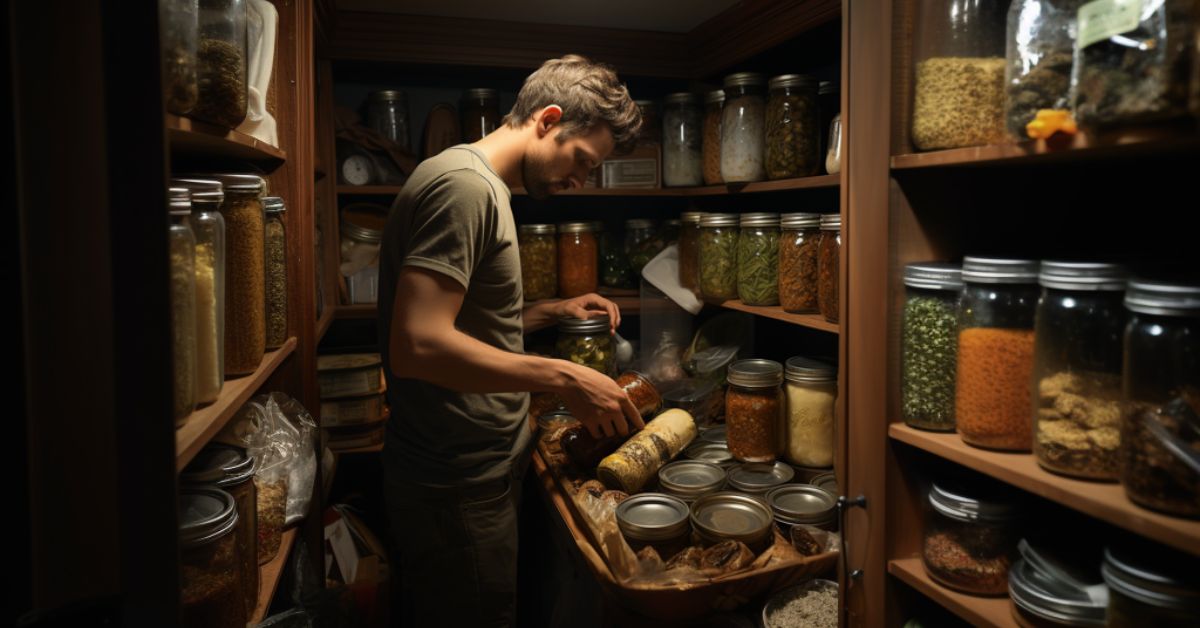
x,y
751,27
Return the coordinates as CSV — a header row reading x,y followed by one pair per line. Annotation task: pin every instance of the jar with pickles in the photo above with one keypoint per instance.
x,y
758,259
793,133
539,261
577,259
754,409
828,260
689,251
588,342
718,256
798,278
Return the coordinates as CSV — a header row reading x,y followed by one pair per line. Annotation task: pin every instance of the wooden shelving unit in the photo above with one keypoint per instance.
x,y
361,310
270,574
324,323
984,612
812,321
781,185
201,140
369,190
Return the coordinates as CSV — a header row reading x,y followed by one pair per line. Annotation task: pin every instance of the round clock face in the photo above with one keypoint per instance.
x,y
356,170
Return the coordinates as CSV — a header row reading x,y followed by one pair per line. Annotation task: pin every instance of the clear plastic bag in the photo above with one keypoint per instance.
x,y
291,417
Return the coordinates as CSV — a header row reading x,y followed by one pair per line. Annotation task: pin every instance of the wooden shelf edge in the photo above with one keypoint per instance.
x,y
1105,501
361,310
206,422
184,127
270,574
992,612
325,322
812,321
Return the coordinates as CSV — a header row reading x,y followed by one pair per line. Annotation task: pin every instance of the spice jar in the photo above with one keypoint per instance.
x,y
639,245
588,342
793,132
811,393
689,250
245,320
995,353
387,113
758,259
480,109
1041,49
211,587
177,32
710,148
929,344
1148,586
798,246
1160,431
276,277
1077,368
828,258
754,409
221,59
208,227
958,95
182,247
539,261
577,259
718,256
682,139
970,538
641,391
742,128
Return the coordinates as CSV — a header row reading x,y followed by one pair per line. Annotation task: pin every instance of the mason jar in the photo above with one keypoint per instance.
x,y
640,245
811,395
578,257
651,133
221,61
1148,586
614,264
277,281
758,259
182,247
710,148
211,587
387,113
828,261
798,246
177,33
742,128
793,132
1040,57
480,113
754,410
689,251
539,261
208,227
245,265
682,137
929,344
231,469
718,256
971,535
588,342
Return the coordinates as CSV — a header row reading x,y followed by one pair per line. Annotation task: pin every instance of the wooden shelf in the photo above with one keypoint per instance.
x,y
194,139
1105,501
325,322
369,190
361,310
204,423
990,612
819,181
812,321
270,574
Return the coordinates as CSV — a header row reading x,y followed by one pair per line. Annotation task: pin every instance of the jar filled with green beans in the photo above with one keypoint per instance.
x,y
758,259
929,345
588,342
718,256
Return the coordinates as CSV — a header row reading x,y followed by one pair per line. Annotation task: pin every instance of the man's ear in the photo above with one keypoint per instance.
x,y
547,118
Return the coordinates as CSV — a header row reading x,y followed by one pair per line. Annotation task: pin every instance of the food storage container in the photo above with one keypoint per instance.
x,y
710,148
929,344
828,260
970,538
182,247
640,245
588,342
245,266
799,242
641,391
793,131
656,520
577,259
177,34
276,272
480,109
718,256
208,227
743,128
539,261
1040,50
754,410
811,395
1150,586
727,516
795,504
690,480
387,113
1049,594
689,251
758,478
211,587
816,601
758,259
682,138
221,58
713,452
231,469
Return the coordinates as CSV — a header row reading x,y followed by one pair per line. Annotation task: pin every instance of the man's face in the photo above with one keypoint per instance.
x,y
551,166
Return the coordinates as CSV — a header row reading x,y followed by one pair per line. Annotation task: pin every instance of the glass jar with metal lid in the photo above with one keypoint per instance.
x,y
682,135
642,392
795,504
971,536
361,226
799,243
712,452
178,30
710,148
614,264
480,109
211,587
387,113
656,520
639,245
715,434
828,260
1047,593
718,256
549,422
758,259
539,261
245,266
1078,333
1160,431
759,478
691,479
578,257
754,409
232,470
221,61
276,277
728,516
929,344
689,251
1150,586
208,227
793,132
811,394
182,247
995,352
588,342
742,128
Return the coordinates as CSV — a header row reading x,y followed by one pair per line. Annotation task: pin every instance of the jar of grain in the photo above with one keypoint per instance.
x,y
578,257
754,410
742,128
971,535
682,135
811,393
276,272
182,248
710,148
211,587
539,261
792,127
209,229
929,344
828,260
798,246
245,293
232,470
221,60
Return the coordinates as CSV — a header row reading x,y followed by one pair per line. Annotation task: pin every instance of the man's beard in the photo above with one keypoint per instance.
x,y
537,181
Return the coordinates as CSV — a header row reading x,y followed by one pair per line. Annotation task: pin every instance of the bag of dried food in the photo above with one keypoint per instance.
x,y
297,429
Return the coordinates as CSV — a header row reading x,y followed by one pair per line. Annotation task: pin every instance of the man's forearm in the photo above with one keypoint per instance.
x,y
538,316
454,360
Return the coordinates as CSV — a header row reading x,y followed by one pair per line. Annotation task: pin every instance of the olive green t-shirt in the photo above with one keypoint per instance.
x,y
454,217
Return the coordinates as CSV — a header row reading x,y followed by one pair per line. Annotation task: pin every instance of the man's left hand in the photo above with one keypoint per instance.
x,y
589,306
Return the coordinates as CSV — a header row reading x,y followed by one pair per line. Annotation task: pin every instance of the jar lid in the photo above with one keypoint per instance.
x,y
791,80
480,93
755,373
222,465
273,205
826,482
934,276
759,220
691,476
538,229
800,221
202,190
205,515
710,452
719,220
179,201
745,78
692,218
1152,576
1063,593
1162,298
992,270
801,503
732,516
825,88
639,223
715,434
561,417
387,95
595,324
956,504
716,95
240,182
1083,276
360,233
653,517
577,227
831,222
681,98
759,477
801,369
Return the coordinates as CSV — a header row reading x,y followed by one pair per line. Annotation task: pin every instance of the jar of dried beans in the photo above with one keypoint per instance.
x,y
718,256
588,342
811,393
211,587
710,148
798,246
182,245
742,128
231,469
222,58
539,261
995,352
793,132
758,259
276,277
929,344
689,251
209,229
754,410
682,135
970,538
828,259
245,294
578,257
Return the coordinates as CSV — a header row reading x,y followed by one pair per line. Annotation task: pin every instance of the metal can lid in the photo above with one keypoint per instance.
x,y
1152,576
826,482
755,373
1091,276
653,517
639,223
759,477
745,78
202,190
691,476
802,369
595,324
791,80
179,201
719,220
480,93
801,503
1043,595
239,182
715,434
222,465
934,275
713,453
691,218
715,96
732,516
681,98
538,229
387,95
577,227
993,270
1163,298
831,222
273,205
984,504
205,515
800,221
759,219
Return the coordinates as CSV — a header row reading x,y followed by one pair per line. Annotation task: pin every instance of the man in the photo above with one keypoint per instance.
x,y
451,324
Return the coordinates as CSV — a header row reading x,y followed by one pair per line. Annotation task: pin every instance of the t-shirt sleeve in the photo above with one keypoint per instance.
x,y
450,226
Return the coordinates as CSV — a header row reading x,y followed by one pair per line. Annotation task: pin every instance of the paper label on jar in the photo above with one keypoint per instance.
x,y
1104,19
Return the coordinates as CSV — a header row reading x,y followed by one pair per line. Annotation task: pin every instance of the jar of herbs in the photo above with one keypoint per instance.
x,y
682,119
1078,333
588,342
742,128
971,535
182,248
811,395
798,277
245,296
276,277
929,344
208,227
539,261
718,256
995,352
177,28
689,251
221,59
211,587
758,259
754,409
578,257
480,113
639,245
828,259
710,148
792,127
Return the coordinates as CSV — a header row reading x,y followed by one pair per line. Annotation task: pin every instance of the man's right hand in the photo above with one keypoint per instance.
x,y
599,404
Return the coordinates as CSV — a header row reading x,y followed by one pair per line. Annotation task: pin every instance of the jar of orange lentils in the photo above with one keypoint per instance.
x,y
992,396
